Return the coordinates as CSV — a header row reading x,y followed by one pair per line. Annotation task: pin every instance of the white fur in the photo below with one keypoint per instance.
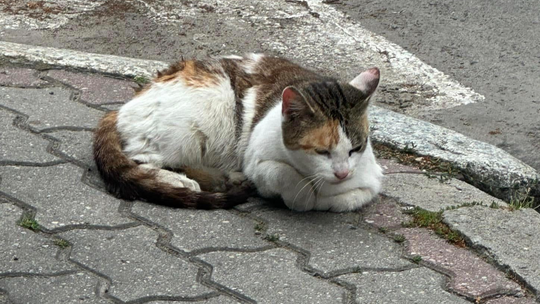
x,y
305,181
161,126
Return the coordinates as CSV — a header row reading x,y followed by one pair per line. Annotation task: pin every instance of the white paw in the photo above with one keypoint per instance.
x,y
300,198
348,201
178,180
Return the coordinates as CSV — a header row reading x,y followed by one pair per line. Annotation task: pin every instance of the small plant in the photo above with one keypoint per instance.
x,y
525,200
494,205
272,237
433,221
29,223
141,80
61,243
399,238
259,227
417,259
383,229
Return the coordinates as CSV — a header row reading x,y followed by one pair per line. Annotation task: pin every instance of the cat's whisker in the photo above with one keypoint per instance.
x,y
307,184
314,186
303,179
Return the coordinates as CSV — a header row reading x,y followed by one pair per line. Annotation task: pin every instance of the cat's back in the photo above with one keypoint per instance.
x,y
202,111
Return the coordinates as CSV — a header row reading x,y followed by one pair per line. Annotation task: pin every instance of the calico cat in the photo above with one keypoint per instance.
x,y
186,138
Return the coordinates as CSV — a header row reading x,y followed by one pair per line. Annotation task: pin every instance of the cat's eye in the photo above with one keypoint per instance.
x,y
323,152
355,150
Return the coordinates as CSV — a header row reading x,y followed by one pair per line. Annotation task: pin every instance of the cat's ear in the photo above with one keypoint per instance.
x,y
367,81
294,103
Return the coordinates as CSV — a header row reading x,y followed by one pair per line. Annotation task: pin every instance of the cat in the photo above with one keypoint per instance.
x,y
205,133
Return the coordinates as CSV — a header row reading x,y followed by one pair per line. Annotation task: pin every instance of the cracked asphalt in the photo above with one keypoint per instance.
x,y
65,240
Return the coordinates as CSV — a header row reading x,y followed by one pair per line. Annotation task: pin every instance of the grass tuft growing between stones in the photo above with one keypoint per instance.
x,y
141,80
29,223
417,259
272,237
433,220
61,243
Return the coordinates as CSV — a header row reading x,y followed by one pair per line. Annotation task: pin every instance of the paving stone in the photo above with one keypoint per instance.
x,y
215,300
270,277
385,213
21,146
136,266
76,144
252,203
77,288
11,76
391,167
23,251
334,240
471,276
418,285
430,194
59,196
198,229
48,108
511,238
96,89
512,300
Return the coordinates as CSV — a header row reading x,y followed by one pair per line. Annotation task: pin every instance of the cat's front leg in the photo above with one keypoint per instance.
x,y
274,178
347,201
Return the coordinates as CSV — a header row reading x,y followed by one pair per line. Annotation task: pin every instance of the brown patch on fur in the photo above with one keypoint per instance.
x,y
209,179
194,73
324,137
273,74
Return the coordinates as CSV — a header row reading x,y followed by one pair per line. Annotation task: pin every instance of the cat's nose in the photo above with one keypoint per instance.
x,y
342,174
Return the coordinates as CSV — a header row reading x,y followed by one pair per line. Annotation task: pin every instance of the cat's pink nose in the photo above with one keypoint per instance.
x,y
342,174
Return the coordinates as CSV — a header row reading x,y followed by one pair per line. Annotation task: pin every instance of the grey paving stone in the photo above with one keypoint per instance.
x,y
333,240
430,194
77,288
270,277
471,275
391,167
50,107
418,286
59,196
512,300
21,146
12,76
511,238
197,229
216,300
385,213
76,144
135,265
23,251
95,88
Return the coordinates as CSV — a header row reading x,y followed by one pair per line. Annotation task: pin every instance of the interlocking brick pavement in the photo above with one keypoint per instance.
x,y
89,247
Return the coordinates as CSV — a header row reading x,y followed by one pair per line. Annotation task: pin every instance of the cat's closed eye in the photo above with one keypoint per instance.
x,y
322,152
355,150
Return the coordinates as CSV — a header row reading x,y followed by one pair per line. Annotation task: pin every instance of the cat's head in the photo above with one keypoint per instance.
x,y
325,125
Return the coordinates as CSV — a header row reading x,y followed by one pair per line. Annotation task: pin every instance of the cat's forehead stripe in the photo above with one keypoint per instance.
x,y
323,137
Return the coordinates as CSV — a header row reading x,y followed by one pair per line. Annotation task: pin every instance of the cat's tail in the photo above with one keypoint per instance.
x,y
128,180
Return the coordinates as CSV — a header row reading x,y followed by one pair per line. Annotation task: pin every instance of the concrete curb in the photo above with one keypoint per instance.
x,y
483,165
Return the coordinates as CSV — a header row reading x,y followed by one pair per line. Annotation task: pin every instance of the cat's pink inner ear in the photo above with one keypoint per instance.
x,y
287,97
367,81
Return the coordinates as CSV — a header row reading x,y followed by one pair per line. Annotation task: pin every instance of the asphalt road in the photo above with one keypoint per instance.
x,y
490,46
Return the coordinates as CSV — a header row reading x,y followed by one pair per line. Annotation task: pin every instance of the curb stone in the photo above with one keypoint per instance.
x,y
483,165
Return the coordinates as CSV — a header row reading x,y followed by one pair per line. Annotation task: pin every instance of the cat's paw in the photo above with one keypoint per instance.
x,y
344,202
177,180
300,198
236,178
